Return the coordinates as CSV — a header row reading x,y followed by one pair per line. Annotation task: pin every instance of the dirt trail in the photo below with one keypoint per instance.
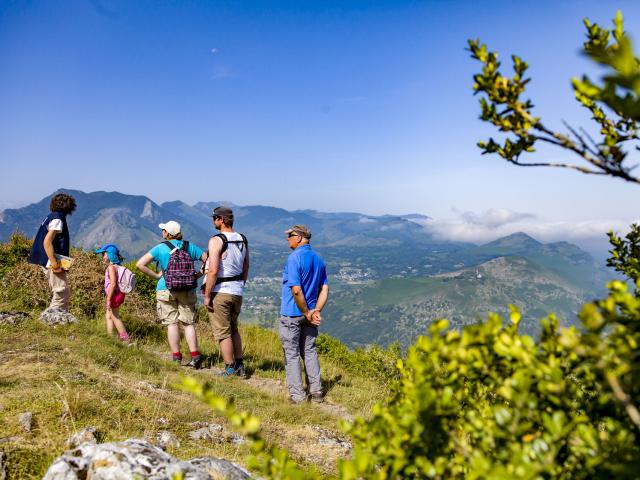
x,y
277,388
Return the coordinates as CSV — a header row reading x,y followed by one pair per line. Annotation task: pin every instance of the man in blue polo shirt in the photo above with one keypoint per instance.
x,y
304,295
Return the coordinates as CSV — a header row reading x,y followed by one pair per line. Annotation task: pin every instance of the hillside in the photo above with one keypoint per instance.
x,y
73,376
400,309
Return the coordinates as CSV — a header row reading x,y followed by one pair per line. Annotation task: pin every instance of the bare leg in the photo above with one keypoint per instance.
x,y
226,350
237,345
109,322
191,337
115,319
173,335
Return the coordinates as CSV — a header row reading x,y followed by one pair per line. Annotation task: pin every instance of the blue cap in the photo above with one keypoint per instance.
x,y
112,252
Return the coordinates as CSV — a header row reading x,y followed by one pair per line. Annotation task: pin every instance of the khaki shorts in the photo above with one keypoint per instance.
x,y
224,318
176,307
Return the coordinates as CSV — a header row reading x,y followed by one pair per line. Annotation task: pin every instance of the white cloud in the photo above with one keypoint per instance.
x,y
495,223
495,217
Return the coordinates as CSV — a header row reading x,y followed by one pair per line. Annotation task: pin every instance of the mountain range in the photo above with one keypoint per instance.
x,y
389,276
131,221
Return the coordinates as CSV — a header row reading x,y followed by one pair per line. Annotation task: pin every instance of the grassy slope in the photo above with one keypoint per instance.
x,y
74,376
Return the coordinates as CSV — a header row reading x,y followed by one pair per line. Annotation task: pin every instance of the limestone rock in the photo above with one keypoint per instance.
x,y
12,318
26,421
327,437
56,316
220,468
137,458
86,435
213,432
166,439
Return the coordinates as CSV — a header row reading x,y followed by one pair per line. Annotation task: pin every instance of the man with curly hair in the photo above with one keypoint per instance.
x,y
53,239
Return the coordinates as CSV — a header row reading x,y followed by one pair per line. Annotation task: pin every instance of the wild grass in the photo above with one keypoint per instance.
x,y
75,376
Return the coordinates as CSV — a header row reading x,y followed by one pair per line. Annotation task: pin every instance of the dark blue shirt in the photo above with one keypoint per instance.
x,y
305,269
60,243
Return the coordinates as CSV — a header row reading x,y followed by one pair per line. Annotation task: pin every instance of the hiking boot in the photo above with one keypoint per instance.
x,y
317,397
195,363
177,360
228,371
241,372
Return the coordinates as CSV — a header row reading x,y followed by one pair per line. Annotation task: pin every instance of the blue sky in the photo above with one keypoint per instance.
x,y
336,106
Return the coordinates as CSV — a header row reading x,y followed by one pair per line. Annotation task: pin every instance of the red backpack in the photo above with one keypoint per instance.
x,y
180,273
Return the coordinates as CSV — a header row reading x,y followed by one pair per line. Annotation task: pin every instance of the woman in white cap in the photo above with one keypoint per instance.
x,y
176,288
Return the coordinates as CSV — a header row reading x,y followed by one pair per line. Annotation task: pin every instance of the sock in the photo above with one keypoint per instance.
x,y
124,336
177,355
195,354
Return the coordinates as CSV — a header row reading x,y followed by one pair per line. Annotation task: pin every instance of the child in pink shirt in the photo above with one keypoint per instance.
x,y
114,297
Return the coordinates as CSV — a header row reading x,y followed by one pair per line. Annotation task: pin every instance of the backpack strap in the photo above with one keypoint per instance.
x,y
225,242
235,278
172,247
225,245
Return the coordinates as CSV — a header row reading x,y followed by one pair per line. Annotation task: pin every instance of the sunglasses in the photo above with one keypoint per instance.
x,y
293,235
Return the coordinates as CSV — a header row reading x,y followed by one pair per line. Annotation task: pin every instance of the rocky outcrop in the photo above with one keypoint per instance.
x,y
26,421
56,316
12,318
86,435
137,458
165,439
213,432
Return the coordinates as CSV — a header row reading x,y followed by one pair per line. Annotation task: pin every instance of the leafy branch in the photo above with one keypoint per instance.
x,y
614,106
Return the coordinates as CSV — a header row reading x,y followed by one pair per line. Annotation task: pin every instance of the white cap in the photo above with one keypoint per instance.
x,y
172,228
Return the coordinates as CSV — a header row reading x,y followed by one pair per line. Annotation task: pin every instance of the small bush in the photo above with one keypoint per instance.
x,y
24,286
373,361
15,251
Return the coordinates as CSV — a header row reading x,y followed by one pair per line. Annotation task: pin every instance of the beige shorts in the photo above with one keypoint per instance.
x,y
224,318
176,307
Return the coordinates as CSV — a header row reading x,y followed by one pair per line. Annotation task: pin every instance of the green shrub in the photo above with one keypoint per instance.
x,y
373,361
145,286
13,252
488,402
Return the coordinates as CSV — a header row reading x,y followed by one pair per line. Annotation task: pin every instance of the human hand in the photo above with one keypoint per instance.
x,y
57,267
208,303
107,307
316,318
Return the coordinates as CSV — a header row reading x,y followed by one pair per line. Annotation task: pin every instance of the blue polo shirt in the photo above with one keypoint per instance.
x,y
304,268
161,254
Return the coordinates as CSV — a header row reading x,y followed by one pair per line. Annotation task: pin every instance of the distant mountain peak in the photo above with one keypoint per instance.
x,y
518,239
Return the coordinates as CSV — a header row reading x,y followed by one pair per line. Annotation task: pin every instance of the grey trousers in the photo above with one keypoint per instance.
x,y
298,339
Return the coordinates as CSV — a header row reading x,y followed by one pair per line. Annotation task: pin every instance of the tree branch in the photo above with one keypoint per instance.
x,y
623,398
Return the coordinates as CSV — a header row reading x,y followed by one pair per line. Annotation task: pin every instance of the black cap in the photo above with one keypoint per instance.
x,y
222,211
